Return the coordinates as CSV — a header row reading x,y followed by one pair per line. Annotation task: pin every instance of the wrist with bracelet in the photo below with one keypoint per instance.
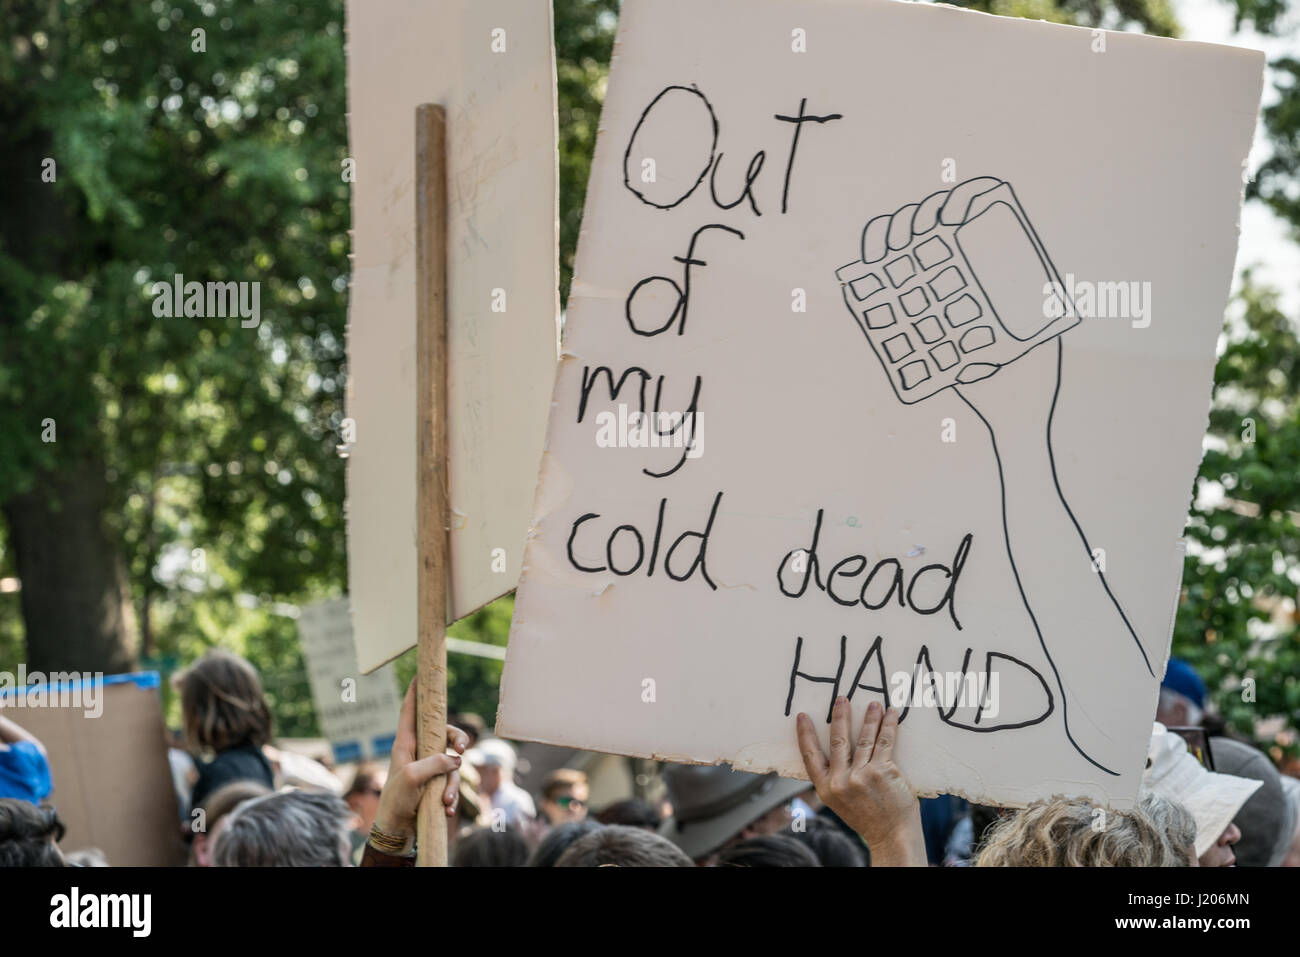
x,y
387,843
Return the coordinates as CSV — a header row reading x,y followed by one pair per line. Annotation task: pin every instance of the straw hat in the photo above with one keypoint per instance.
x,y
1213,799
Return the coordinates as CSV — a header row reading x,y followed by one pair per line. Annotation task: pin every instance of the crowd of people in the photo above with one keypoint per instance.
x,y
1206,800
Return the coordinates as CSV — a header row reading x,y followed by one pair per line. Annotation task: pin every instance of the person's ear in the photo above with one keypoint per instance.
x,y
201,855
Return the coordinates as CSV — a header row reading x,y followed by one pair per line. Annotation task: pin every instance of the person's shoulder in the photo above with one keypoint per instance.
x,y
26,771
244,761
22,751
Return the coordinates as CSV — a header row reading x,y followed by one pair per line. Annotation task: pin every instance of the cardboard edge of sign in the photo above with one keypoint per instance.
x,y
799,773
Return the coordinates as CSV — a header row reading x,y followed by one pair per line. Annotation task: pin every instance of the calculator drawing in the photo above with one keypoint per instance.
x,y
948,292
950,289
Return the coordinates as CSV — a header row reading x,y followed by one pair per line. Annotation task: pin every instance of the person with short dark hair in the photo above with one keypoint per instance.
x,y
559,839
362,798
29,834
769,850
288,829
564,796
632,813
225,713
829,844
488,847
618,846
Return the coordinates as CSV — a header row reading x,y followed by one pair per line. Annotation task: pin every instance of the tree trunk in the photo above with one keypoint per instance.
x,y
75,601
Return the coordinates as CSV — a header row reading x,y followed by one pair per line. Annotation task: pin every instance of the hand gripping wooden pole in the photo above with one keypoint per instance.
x,y
431,464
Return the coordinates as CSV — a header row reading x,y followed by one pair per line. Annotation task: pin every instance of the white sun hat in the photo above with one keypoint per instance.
x,y
1213,799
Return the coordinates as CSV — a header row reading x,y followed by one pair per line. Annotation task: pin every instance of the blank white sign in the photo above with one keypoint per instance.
x,y
492,66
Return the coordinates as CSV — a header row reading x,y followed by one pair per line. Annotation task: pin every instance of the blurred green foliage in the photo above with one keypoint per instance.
x,y
219,164
1237,620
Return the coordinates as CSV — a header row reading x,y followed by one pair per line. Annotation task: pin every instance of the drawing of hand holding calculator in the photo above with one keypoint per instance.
x,y
957,291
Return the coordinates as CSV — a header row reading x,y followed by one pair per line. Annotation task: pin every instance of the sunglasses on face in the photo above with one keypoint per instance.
x,y
568,801
1198,743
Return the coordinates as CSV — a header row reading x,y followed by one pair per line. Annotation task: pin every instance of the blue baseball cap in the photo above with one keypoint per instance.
x,y
24,773
1182,677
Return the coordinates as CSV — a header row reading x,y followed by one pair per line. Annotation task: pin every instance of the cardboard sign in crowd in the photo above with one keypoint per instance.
x,y
885,373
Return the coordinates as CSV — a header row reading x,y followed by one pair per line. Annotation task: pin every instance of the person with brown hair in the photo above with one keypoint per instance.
x,y
362,795
564,796
224,714
215,809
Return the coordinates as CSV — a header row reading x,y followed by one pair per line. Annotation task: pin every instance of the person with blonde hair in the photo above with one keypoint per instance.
x,y
225,717
1077,833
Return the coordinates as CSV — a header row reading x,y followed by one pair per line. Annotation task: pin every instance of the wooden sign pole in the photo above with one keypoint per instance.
x,y
431,464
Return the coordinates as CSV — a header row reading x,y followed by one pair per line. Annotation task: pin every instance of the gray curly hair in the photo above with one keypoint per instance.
x,y
289,829
1077,833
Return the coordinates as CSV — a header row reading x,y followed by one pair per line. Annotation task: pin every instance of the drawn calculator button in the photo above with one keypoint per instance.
x,y
900,270
929,329
947,282
977,338
974,371
945,356
932,252
852,272
913,374
914,301
866,286
899,347
881,317
963,310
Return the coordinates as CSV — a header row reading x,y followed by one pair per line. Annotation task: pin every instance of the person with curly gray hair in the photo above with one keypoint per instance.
x,y
288,829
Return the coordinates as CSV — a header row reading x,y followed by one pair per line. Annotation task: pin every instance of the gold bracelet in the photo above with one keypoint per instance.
x,y
387,843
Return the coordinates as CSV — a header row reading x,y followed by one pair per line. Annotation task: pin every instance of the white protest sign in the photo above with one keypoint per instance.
x,y
930,300
357,713
491,65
